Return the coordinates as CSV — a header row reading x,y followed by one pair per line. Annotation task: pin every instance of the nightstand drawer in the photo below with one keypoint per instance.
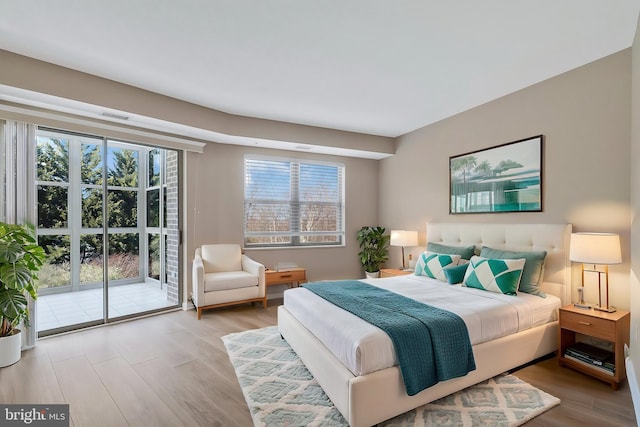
x,y
293,276
588,325
297,276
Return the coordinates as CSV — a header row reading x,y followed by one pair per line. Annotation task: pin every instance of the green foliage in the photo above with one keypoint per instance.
x,y
122,205
53,200
121,266
374,250
54,275
53,166
20,259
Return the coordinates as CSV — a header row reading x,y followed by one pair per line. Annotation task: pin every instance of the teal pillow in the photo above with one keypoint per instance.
x,y
494,275
455,274
533,267
432,265
465,252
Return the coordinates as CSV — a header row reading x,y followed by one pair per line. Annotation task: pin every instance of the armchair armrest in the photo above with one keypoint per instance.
x,y
197,280
255,268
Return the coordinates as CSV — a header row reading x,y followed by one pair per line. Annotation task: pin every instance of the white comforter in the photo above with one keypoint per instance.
x,y
364,348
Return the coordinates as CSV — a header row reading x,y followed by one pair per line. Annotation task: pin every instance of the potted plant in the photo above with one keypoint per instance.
x,y
373,249
20,259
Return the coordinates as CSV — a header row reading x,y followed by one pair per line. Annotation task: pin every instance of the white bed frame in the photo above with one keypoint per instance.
x,y
372,398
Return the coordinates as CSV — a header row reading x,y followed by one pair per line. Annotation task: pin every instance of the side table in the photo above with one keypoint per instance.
x,y
292,276
611,327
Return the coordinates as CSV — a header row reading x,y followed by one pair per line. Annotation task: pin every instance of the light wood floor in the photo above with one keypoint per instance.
x,y
173,370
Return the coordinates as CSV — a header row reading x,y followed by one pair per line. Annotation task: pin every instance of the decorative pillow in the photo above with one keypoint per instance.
x,y
432,265
456,273
533,267
494,275
465,252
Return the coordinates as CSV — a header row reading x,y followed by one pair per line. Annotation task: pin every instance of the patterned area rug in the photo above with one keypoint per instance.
x,y
280,391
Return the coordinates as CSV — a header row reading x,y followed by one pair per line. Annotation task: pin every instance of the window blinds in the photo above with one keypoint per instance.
x,y
293,202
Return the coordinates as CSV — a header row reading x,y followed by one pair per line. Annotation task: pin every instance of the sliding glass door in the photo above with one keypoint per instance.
x,y
108,220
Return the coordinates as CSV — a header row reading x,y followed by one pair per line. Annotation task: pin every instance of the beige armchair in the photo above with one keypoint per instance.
x,y
223,275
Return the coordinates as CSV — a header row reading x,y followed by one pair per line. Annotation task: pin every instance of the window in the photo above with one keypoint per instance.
x,y
83,180
293,203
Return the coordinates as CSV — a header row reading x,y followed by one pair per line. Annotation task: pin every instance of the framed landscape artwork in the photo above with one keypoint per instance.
x,y
504,178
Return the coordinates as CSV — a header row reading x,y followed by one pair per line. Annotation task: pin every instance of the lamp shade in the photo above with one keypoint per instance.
x,y
404,238
595,248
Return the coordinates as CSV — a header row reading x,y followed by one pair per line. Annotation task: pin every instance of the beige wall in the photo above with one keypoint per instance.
x,y
584,116
635,194
214,211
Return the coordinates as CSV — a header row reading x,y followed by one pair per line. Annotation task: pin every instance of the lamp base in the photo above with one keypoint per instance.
x,y
605,309
582,305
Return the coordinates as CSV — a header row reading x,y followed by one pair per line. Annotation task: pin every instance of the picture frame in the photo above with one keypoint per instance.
x,y
503,178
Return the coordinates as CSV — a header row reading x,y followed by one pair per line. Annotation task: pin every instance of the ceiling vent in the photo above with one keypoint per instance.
x,y
115,116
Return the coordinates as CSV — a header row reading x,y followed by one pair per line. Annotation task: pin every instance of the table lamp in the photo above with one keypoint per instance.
x,y
404,238
595,249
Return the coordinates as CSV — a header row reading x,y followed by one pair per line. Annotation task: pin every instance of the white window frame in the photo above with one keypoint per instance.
x,y
294,203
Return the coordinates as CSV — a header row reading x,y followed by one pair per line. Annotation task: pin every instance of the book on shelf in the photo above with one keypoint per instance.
x,y
583,357
607,364
607,369
595,355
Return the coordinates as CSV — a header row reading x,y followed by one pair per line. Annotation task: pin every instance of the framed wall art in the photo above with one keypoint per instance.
x,y
504,178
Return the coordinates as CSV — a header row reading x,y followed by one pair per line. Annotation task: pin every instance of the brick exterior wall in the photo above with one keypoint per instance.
x,y
173,236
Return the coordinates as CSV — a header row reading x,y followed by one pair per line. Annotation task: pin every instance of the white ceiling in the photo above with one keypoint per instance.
x,y
378,67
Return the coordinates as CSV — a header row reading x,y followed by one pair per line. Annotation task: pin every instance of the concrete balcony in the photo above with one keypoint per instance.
x,y
65,309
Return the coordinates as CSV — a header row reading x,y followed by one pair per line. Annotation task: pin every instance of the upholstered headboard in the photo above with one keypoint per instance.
x,y
553,238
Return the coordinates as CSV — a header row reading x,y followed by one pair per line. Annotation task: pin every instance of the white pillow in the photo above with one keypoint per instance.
x,y
432,264
494,275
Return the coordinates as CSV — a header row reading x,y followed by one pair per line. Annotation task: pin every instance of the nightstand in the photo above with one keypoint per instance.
x,y
611,327
391,272
291,276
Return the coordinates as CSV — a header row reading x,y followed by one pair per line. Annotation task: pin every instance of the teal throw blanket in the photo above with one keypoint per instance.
x,y
432,345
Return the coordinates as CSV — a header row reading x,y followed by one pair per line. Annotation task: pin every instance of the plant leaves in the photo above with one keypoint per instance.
x,y
20,259
13,305
15,276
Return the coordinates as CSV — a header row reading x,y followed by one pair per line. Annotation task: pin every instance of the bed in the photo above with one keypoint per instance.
x,y
367,388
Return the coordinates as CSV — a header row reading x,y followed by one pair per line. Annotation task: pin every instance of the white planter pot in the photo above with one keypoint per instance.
x,y
373,275
10,349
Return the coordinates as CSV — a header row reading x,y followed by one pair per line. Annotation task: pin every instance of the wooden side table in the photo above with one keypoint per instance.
x,y
612,327
292,276
391,272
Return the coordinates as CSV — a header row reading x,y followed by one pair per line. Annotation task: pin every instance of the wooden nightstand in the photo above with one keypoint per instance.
x,y
291,276
611,327
391,272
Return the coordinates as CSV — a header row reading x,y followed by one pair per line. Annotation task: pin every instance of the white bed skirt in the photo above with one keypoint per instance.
x,y
369,399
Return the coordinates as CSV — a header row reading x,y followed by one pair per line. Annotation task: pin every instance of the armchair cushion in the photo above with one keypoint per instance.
x,y
218,258
228,280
